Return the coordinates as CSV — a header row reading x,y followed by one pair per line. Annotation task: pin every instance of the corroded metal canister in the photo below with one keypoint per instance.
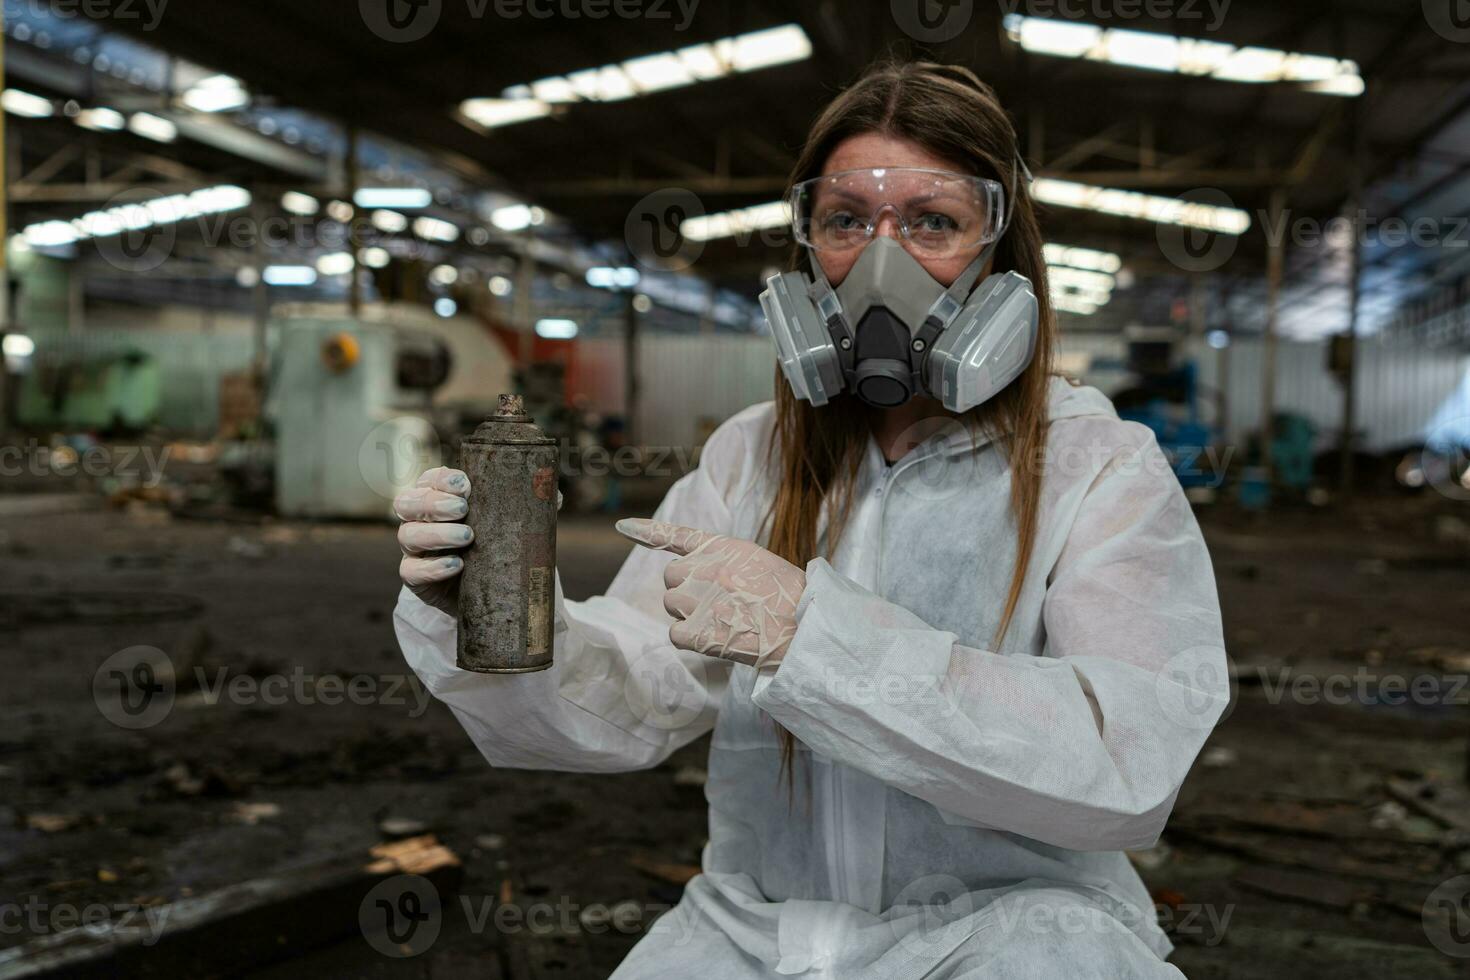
x,y
507,594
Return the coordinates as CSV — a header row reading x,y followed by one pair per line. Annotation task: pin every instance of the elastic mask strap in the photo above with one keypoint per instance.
x,y
825,296
959,291
818,276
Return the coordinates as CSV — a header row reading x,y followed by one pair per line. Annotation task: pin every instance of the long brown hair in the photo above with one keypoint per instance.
x,y
948,111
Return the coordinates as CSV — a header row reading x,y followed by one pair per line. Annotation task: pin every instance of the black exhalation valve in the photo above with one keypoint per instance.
x,y
881,373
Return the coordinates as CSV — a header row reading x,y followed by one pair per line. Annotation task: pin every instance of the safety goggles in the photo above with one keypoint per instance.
x,y
937,212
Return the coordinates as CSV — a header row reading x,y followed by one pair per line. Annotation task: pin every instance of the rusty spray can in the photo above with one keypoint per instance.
x,y
507,594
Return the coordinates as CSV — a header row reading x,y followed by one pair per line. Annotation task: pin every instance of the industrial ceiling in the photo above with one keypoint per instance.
x,y
1401,147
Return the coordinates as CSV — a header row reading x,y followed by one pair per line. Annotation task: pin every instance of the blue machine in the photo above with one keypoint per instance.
x,y
1166,399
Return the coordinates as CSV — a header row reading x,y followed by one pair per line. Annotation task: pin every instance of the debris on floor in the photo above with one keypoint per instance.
x,y
1313,826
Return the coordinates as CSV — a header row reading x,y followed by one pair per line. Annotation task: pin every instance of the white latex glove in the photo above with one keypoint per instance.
x,y
733,599
432,513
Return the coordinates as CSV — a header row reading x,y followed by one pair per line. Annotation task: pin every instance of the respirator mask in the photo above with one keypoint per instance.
x,y
891,330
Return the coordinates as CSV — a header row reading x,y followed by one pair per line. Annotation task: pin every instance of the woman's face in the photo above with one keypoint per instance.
x,y
872,150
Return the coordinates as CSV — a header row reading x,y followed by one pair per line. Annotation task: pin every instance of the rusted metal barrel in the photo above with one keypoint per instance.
x,y
507,594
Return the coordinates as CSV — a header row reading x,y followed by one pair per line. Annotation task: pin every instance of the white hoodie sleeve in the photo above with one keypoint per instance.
x,y
1084,747
618,695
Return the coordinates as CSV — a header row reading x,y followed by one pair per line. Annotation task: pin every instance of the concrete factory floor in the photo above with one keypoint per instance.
x,y
1304,844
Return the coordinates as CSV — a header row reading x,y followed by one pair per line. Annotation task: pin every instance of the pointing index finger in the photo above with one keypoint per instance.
x,y
663,537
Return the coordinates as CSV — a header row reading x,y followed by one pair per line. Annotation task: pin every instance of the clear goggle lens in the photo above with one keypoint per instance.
x,y
934,211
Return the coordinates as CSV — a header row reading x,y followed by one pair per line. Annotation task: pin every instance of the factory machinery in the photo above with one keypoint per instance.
x,y
360,407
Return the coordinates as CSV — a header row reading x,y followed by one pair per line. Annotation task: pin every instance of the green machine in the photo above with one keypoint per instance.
x,y
113,393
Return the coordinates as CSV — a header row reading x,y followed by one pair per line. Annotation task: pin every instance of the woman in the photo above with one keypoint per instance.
x,y
969,662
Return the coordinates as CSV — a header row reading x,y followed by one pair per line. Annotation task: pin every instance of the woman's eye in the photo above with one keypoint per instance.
x,y
841,221
935,224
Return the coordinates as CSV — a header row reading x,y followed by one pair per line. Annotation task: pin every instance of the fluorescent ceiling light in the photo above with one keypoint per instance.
x,y
217,93
1145,207
514,217
1252,65
289,275
765,49
392,197
153,127
1099,282
658,71
19,103
1081,258
605,277
1350,86
1080,280
729,224
1184,55
1097,297
101,119
643,75
491,113
556,329
299,203
1073,304
1142,49
1203,57
45,233
135,217
390,221
335,264
435,230
17,345
1313,68
373,257
1063,39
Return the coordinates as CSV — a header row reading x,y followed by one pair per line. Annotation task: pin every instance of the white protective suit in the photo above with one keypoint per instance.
x,y
959,811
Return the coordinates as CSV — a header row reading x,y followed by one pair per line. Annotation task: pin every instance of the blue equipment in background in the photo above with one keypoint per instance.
x,y
1293,437
1165,398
